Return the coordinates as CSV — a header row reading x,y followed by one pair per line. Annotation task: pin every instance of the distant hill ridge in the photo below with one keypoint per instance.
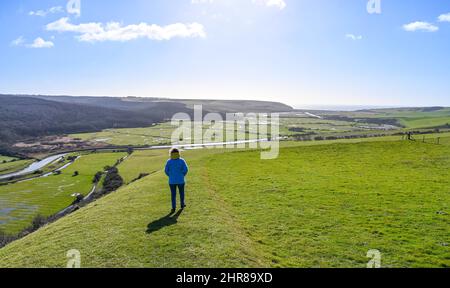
x,y
139,103
28,116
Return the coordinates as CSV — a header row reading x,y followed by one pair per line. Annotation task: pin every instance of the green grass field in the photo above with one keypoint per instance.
x,y
5,158
291,124
425,122
9,167
409,118
142,162
154,135
417,118
49,195
314,206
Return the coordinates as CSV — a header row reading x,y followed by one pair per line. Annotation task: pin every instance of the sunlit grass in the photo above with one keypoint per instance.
x,y
315,206
21,202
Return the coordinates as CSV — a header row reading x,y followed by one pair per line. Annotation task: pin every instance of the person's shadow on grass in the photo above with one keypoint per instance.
x,y
166,221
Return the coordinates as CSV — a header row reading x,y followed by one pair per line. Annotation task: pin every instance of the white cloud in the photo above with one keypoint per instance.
x,y
420,26
353,37
43,13
444,18
113,31
41,43
18,42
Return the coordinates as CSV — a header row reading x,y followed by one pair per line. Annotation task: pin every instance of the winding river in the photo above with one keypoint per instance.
x,y
34,166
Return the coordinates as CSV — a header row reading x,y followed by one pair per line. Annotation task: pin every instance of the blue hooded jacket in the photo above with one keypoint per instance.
x,y
176,169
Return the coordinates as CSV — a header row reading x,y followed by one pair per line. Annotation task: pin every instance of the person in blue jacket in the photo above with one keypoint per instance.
x,y
176,169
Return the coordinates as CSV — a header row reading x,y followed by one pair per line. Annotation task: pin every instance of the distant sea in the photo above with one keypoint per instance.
x,y
340,107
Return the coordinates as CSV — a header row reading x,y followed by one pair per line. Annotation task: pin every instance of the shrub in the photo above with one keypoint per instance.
x,y
97,177
113,181
142,175
37,223
72,158
78,199
5,239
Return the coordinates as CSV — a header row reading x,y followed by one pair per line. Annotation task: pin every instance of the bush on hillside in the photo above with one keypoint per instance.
x,y
113,181
97,177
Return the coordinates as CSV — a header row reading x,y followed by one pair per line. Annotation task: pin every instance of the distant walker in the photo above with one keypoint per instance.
x,y
177,169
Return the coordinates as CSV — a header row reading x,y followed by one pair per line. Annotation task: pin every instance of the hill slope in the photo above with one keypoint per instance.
x,y
24,117
315,206
143,104
29,116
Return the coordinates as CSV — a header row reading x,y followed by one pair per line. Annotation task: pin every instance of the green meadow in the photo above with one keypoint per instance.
x,y
424,122
8,167
160,134
154,135
411,118
298,124
142,162
5,158
46,196
320,205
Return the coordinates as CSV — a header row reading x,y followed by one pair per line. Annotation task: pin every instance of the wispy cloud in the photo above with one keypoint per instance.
x,y
114,31
37,43
18,42
444,18
41,43
354,37
420,26
43,13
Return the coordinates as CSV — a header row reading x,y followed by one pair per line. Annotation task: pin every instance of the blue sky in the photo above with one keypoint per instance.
x,y
324,52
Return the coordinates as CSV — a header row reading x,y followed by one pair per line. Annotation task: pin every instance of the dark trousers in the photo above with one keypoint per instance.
x,y
173,189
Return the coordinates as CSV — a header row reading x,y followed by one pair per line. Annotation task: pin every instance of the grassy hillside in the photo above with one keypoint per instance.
x,y
425,122
148,103
411,118
142,162
224,106
315,206
415,118
49,195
